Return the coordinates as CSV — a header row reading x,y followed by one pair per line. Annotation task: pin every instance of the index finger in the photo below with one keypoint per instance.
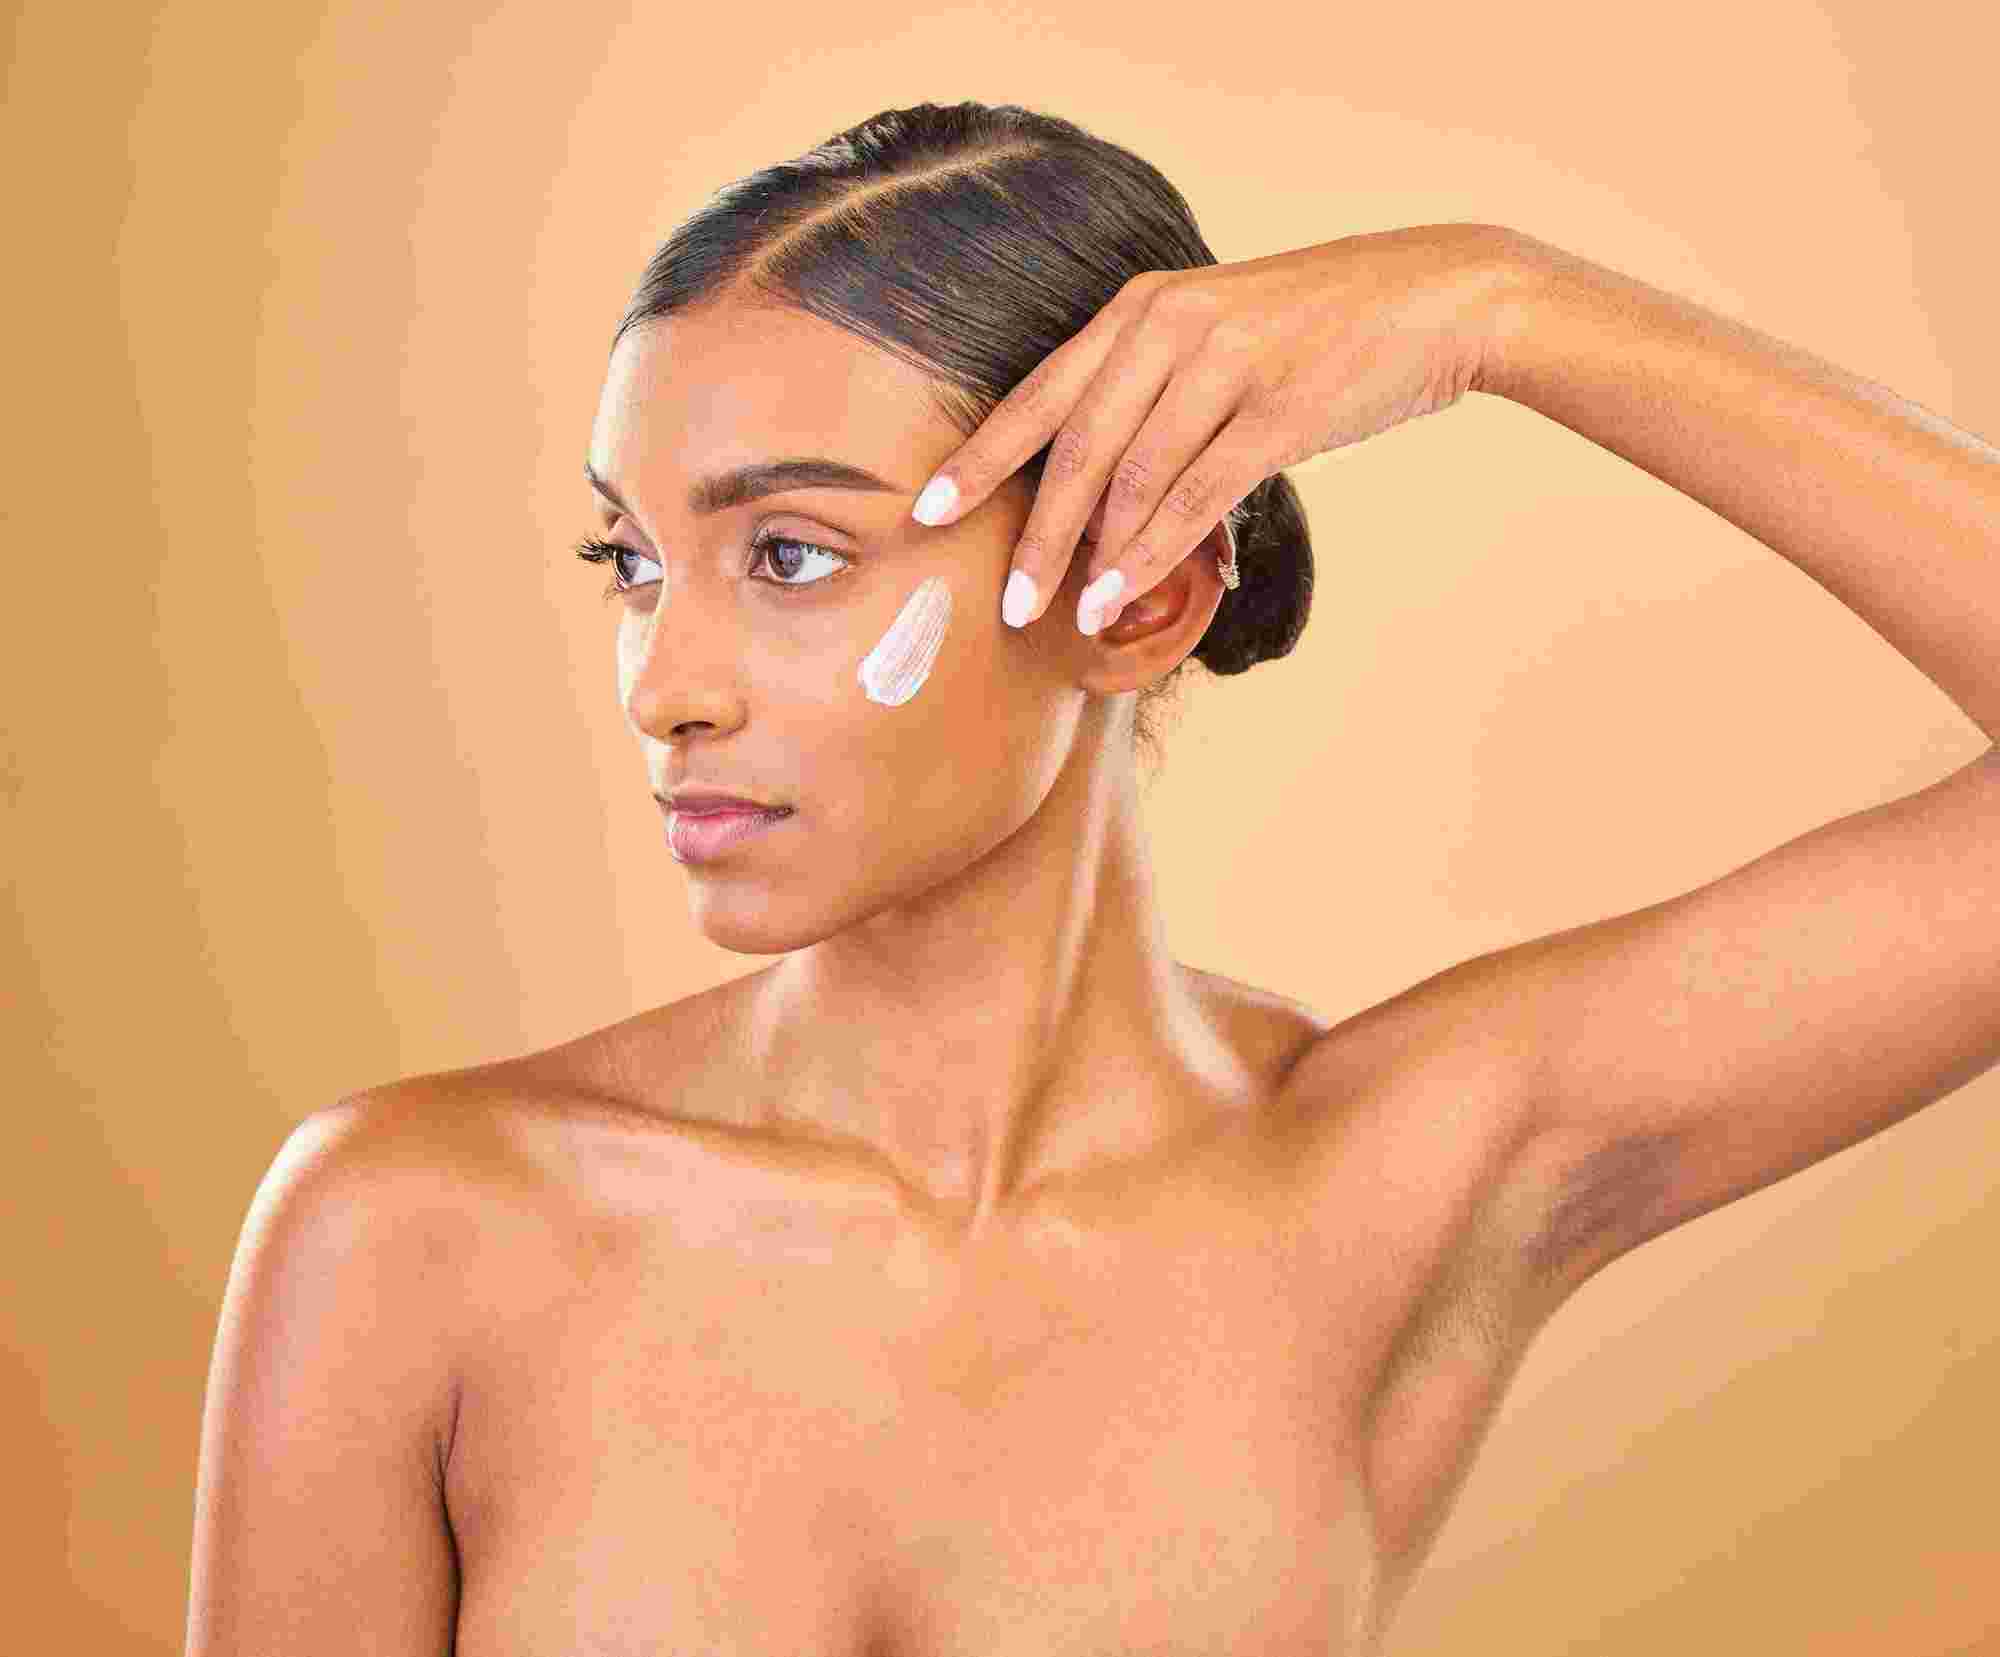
x,y
1021,422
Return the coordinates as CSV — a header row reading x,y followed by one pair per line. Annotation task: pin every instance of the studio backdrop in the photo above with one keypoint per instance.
x,y
315,774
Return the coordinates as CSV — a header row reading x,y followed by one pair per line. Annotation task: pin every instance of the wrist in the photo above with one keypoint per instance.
x,y
1519,282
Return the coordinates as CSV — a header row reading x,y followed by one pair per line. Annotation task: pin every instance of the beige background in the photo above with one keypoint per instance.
x,y
314,773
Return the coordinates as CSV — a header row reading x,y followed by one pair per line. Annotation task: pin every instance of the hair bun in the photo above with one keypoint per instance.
x,y
1263,617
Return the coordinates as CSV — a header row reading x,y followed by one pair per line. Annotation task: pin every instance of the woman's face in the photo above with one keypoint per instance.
x,y
864,678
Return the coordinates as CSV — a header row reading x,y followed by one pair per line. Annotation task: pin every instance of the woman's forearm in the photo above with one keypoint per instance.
x,y
1889,508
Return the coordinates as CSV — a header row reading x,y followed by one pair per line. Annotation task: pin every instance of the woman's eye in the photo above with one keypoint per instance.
x,y
618,567
789,565
610,552
787,562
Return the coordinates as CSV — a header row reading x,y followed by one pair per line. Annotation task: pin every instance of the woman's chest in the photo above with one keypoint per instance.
x,y
1145,1448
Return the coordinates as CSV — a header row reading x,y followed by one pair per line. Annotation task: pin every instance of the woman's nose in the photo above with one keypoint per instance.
x,y
684,674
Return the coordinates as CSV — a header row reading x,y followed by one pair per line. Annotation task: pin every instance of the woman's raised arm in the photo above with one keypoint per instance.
x,y
1694,1050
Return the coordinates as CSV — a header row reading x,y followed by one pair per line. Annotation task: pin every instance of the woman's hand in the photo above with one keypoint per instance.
x,y
1193,386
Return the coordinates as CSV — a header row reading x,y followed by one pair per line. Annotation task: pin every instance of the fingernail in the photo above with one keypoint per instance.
x,y
939,497
1018,603
1096,598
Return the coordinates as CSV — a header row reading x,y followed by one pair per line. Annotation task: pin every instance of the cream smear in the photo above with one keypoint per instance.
x,y
897,667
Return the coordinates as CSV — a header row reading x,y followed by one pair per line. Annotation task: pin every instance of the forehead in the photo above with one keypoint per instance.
x,y
704,390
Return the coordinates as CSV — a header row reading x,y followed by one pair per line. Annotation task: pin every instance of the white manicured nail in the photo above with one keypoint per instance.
x,y
1018,603
938,498
1096,598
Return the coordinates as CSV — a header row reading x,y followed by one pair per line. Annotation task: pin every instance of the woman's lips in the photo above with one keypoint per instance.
x,y
697,836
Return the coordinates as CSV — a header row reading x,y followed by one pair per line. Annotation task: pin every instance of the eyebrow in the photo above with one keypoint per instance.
x,y
740,484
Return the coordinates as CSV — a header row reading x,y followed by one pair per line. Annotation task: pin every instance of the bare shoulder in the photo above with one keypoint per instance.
x,y
415,1167
350,1290
520,1133
389,1152
336,1371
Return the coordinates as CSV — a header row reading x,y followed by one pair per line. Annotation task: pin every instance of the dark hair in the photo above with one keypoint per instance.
x,y
971,240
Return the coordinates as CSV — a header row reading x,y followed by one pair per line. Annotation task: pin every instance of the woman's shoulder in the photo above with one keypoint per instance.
x,y
521,1120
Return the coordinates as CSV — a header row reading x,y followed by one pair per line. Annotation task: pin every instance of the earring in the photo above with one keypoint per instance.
x,y
1227,571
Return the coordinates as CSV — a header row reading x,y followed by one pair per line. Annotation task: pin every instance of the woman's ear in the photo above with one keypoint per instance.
x,y
1179,606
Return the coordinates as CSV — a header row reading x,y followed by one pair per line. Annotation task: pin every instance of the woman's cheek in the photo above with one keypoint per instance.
x,y
895,670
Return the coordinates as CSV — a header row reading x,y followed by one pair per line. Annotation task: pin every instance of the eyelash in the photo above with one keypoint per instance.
x,y
599,552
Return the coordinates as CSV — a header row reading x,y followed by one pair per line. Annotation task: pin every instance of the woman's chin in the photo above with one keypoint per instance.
x,y
749,925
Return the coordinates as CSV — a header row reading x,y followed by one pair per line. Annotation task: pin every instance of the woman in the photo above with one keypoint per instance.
x,y
977,1277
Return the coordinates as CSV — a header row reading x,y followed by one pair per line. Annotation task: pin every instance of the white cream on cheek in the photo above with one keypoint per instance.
x,y
891,673
895,670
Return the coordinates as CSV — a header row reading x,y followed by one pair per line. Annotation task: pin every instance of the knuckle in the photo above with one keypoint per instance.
x,y
1069,453
1151,555
1140,289
1192,495
970,472
1188,302
1231,336
1271,401
1032,552
1132,479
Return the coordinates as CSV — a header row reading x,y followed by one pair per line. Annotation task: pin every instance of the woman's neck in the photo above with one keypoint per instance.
x,y
1020,1021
